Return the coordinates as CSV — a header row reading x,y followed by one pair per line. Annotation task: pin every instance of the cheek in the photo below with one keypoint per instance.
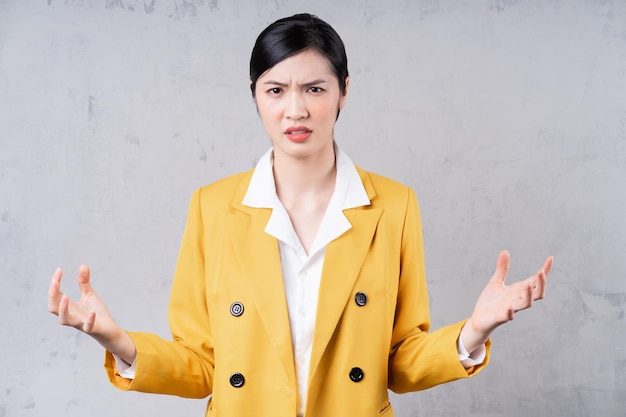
x,y
324,110
266,112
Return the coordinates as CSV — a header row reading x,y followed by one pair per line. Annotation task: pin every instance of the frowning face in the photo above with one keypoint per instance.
x,y
298,100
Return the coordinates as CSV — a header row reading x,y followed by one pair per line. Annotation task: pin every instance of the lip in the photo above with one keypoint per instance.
x,y
298,133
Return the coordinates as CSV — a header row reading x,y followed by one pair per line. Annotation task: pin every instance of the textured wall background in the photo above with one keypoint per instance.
x,y
508,118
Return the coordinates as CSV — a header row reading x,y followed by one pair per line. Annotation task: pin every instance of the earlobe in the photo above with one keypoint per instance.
x,y
344,96
253,90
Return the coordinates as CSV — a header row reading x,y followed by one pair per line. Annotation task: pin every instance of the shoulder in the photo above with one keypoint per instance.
x,y
384,190
225,190
227,183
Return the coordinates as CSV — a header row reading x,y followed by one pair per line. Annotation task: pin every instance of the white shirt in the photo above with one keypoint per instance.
x,y
301,272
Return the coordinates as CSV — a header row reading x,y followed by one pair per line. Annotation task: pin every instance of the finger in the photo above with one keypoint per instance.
x,y
84,280
502,267
89,323
539,292
547,265
73,317
64,310
54,293
529,296
511,313
538,285
526,298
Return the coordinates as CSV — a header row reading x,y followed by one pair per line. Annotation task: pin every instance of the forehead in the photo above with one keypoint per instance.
x,y
303,65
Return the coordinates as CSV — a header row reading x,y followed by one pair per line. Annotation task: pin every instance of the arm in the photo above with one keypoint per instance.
x,y
182,367
89,315
420,359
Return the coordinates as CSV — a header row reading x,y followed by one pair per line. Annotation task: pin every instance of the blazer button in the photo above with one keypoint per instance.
x,y
236,309
237,380
360,298
356,374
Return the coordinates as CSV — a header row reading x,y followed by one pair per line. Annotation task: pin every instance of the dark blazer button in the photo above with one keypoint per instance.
x,y
360,298
236,309
356,374
237,380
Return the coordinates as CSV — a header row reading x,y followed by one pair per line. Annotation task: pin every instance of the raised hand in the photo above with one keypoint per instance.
x,y
89,315
498,302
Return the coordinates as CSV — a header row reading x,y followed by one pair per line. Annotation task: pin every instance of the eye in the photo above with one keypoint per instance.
x,y
274,91
315,90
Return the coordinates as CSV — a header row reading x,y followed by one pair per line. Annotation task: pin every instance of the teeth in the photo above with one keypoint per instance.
x,y
297,132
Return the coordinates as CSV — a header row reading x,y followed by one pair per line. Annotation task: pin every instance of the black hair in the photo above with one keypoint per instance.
x,y
289,36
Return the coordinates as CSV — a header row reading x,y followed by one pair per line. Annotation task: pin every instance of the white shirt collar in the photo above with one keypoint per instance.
x,y
349,190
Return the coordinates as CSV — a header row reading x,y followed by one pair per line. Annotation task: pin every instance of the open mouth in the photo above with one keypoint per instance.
x,y
298,133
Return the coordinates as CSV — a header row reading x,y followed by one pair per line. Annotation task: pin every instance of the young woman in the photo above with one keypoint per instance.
x,y
300,287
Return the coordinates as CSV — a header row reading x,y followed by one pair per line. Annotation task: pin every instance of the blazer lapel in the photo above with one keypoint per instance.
x,y
342,263
258,258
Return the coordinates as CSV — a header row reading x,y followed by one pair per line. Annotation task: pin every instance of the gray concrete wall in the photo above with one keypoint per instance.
x,y
507,117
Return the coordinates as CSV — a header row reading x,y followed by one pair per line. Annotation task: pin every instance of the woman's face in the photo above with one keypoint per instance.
x,y
298,100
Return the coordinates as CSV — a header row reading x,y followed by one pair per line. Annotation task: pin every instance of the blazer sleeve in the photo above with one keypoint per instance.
x,y
419,359
184,366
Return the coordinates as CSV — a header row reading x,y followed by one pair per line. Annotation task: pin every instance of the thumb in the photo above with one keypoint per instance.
x,y
502,267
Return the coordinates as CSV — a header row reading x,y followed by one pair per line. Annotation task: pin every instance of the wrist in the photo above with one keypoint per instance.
x,y
471,338
121,344
125,347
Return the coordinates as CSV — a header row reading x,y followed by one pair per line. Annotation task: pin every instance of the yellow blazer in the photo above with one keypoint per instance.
x,y
230,325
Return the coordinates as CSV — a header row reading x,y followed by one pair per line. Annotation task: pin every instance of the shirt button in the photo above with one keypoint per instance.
x,y
360,298
236,309
356,374
237,380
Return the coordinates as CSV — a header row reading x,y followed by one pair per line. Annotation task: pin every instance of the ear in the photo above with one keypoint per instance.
x,y
344,96
253,93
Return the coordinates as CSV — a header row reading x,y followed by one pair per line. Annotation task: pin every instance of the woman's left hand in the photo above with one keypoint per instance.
x,y
498,302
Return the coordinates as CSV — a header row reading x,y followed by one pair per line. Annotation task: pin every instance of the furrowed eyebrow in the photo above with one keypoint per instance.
x,y
307,84
312,83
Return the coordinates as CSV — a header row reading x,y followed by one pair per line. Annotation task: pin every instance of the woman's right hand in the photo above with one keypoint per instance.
x,y
89,315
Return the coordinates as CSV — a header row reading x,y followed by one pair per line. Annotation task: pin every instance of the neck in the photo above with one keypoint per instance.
x,y
299,177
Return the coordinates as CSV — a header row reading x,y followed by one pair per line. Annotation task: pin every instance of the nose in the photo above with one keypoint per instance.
x,y
296,107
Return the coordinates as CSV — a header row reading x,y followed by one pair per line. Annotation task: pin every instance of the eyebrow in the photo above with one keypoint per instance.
x,y
307,84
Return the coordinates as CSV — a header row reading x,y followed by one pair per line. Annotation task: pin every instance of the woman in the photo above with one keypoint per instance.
x,y
300,287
